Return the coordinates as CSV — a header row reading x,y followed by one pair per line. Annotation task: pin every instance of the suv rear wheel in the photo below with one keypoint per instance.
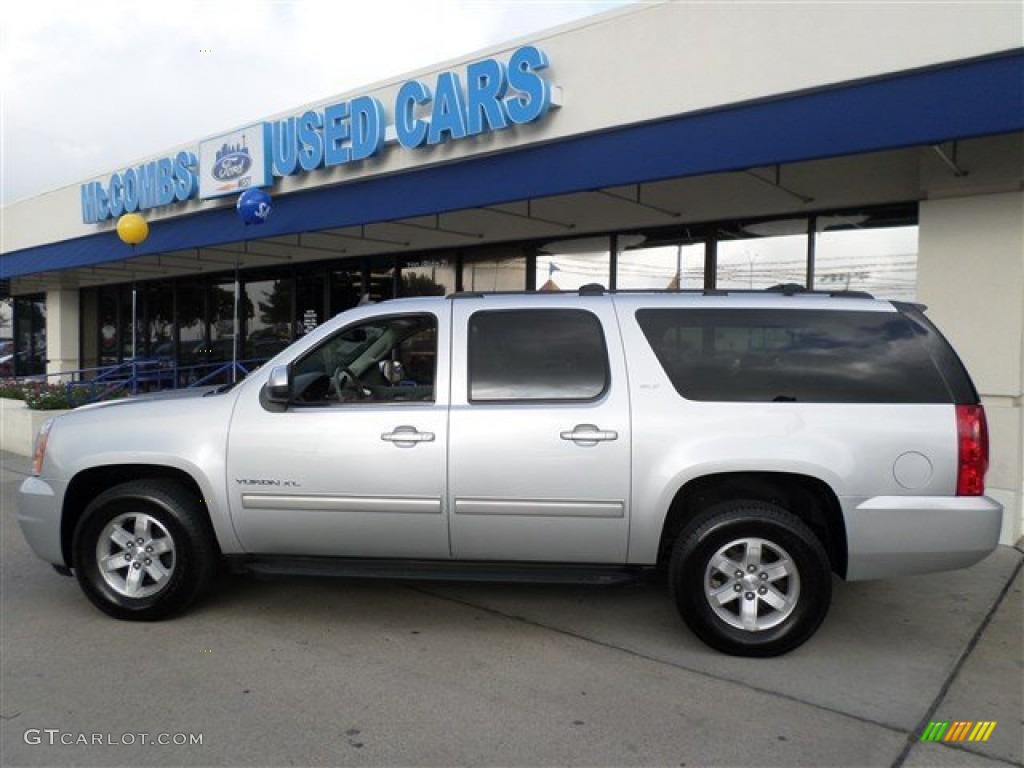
x,y
144,550
750,578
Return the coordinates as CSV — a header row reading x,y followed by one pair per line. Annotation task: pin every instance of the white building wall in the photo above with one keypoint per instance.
x,y
62,330
971,276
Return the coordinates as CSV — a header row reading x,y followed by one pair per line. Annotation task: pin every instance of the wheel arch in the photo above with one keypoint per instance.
x,y
809,498
90,483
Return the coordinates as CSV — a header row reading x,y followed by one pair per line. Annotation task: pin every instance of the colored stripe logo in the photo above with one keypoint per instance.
x,y
959,730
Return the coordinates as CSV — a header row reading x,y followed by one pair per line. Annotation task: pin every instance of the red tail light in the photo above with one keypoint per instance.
x,y
972,446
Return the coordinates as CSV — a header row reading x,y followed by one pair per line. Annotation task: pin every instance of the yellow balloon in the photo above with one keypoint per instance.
x,y
132,228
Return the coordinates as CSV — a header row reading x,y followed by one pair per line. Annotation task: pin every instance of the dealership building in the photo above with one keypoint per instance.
x,y
874,147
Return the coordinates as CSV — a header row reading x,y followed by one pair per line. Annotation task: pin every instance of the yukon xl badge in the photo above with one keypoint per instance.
x,y
264,481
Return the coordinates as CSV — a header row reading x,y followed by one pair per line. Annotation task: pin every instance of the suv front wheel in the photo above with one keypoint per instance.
x,y
750,578
144,550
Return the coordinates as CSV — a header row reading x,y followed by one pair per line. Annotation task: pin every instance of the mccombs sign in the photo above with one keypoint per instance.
x,y
488,95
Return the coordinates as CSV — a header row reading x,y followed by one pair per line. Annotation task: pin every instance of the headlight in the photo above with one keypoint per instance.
x,y
40,447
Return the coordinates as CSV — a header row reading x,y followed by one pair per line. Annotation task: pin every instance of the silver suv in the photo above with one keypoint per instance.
x,y
748,446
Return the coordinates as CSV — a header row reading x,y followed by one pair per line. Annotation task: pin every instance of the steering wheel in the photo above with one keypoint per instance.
x,y
349,386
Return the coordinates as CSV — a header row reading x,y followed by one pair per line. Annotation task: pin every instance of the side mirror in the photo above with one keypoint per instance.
x,y
278,389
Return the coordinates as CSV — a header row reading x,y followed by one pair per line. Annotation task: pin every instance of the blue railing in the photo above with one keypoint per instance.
x,y
142,375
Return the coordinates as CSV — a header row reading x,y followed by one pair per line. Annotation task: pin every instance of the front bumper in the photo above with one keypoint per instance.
x,y
899,535
39,513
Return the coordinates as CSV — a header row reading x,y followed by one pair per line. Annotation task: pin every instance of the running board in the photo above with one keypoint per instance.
x,y
436,570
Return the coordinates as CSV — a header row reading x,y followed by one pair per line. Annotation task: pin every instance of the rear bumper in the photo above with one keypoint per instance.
x,y
898,535
39,505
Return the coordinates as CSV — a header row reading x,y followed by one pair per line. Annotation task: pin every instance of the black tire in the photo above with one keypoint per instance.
x,y
767,611
174,564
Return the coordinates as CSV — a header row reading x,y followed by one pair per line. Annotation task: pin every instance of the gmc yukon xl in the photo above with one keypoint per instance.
x,y
748,445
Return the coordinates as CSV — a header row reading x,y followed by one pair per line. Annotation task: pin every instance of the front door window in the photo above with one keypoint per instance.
x,y
387,359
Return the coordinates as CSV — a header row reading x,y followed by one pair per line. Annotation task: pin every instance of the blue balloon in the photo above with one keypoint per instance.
x,y
253,206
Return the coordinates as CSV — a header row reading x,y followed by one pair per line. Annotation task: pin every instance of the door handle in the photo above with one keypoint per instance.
x,y
588,434
406,436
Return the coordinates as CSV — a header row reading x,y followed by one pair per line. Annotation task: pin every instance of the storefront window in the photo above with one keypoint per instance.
x,y
427,277
763,254
6,337
89,306
568,264
222,324
854,253
347,288
192,327
658,267
267,309
310,298
502,269
159,321
109,304
29,335
131,337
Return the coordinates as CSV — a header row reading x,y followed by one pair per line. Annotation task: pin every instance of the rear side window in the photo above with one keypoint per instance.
x,y
793,356
536,354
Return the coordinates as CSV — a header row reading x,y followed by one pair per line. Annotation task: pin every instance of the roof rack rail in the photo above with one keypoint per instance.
x,y
596,289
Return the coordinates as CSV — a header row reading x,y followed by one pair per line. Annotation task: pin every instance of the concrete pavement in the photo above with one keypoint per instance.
x,y
309,672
